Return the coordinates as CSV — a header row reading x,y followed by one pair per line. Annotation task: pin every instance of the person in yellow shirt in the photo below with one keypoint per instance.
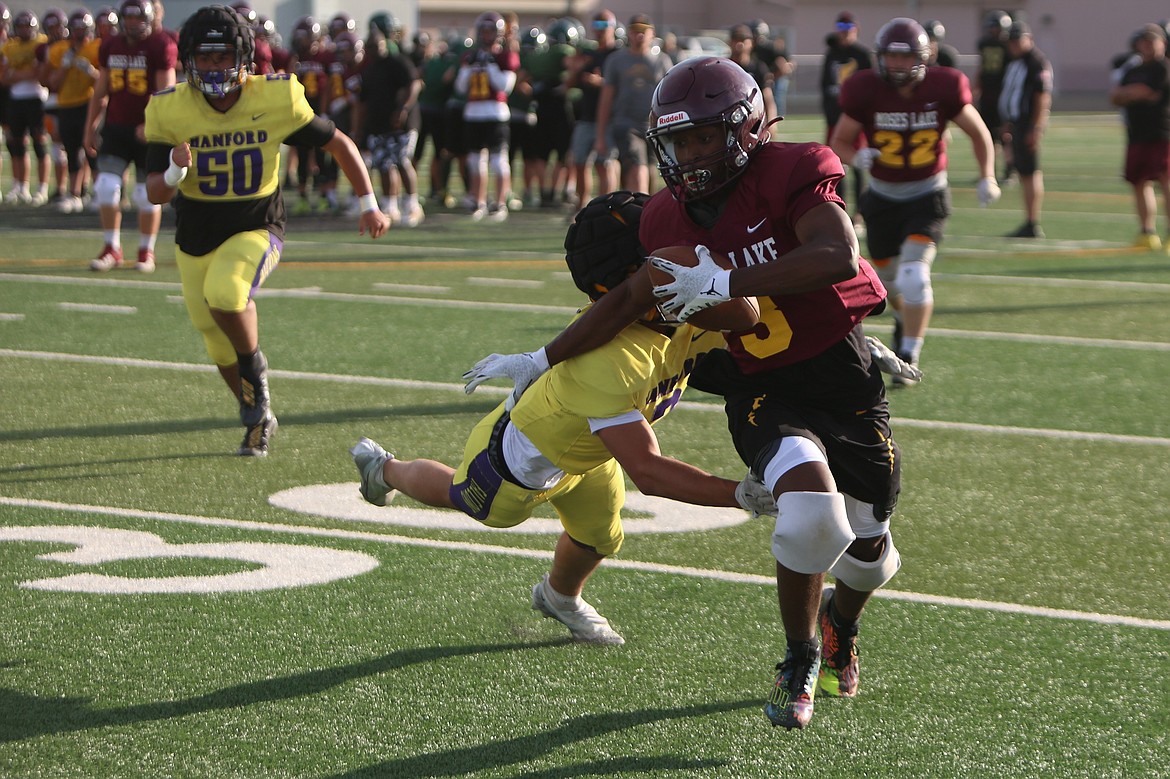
x,y
72,66
213,151
26,109
570,436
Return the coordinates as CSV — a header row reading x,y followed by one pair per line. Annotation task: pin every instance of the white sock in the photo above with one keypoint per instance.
x,y
566,602
912,347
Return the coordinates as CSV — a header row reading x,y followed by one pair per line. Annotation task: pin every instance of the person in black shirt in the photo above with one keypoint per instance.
x,y
1144,94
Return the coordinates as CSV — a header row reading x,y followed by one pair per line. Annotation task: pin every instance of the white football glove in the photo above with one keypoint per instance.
x,y
988,191
522,369
694,288
863,159
888,362
753,495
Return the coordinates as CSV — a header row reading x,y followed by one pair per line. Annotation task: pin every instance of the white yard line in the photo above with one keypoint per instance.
x,y
380,381
541,554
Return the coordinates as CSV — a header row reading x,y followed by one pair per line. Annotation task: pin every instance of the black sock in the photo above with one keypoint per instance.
x,y
804,650
253,386
843,625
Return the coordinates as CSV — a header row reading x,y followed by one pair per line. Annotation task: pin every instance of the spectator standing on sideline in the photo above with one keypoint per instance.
x,y
134,64
804,398
1024,106
941,53
988,86
229,219
903,109
585,74
843,57
5,20
1144,94
572,437
783,68
743,54
387,117
631,73
487,75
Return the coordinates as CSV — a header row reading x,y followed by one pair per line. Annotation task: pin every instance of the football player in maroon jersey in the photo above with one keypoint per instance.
x,y
133,65
805,401
903,108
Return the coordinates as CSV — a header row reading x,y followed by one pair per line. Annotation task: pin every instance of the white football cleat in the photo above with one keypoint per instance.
x,y
370,459
586,625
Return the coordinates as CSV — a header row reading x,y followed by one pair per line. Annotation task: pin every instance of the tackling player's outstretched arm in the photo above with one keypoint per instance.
x,y
635,447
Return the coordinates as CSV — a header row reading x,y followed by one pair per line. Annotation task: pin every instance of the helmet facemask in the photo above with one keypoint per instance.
x,y
217,30
705,175
217,83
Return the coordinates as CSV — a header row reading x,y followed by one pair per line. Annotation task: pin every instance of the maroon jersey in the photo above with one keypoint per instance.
x,y
133,68
281,60
313,73
781,184
262,58
909,131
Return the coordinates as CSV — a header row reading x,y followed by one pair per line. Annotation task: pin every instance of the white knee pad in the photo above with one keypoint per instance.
x,y
107,189
913,279
865,576
141,201
499,165
812,531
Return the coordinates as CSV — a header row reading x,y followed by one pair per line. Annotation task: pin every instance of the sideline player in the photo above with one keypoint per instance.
x,y
805,400
903,109
133,63
573,433
214,147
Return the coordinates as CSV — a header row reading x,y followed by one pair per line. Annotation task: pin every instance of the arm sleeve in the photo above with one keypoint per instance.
x,y
317,132
158,157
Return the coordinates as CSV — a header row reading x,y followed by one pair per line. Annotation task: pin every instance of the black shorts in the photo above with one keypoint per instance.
x,y
26,117
890,222
836,399
1025,158
120,147
493,136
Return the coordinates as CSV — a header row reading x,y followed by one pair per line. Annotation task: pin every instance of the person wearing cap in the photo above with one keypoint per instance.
x,y
630,74
585,74
1024,106
743,54
844,57
1144,95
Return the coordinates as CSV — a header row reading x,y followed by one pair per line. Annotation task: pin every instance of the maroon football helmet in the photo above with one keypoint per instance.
x,y
489,30
902,36
699,92
137,17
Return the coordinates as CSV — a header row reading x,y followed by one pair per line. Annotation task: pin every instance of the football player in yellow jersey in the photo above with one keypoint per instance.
x,y
214,147
570,436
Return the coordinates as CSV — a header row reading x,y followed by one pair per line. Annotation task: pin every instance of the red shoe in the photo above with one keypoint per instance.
x,y
145,262
109,259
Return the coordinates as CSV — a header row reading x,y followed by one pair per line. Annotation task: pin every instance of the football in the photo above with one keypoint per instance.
x,y
735,314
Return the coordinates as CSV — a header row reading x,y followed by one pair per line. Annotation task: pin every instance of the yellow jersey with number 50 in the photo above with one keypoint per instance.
x,y
235,155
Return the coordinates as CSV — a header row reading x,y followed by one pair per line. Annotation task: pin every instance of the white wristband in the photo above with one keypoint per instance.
x,y
174,175
368,202
540,358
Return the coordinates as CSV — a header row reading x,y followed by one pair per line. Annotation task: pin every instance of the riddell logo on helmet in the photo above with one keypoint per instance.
x,y
678,116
